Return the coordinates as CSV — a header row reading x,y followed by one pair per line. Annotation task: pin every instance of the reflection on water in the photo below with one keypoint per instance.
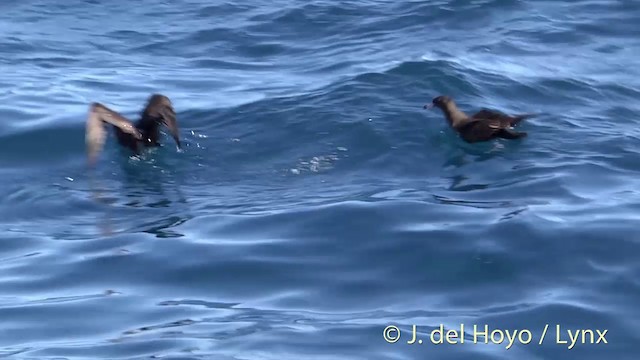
x,y
161,228
456,184
323,203
475,204
143,185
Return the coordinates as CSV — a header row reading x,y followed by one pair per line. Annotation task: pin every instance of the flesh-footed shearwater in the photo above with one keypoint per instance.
x,y
484,125
144,133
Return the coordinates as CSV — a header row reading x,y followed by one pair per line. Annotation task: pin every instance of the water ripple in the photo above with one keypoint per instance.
x,y
315,202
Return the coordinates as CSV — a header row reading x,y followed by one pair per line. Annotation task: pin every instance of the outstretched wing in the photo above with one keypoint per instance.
x,y
96,132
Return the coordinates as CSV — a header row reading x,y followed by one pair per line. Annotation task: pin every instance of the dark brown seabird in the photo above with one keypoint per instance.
x,y
484,125
144,133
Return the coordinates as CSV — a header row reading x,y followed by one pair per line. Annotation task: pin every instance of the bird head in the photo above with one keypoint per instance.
x,y
441,102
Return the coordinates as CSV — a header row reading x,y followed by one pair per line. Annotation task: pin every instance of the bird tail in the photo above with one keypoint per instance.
x,y
520,117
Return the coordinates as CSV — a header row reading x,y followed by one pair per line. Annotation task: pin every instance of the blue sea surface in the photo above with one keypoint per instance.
x,y
315,203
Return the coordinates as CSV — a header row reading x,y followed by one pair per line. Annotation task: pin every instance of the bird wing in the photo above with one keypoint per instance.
x,y
171,122
492,114
160,107
489,114
482,129
96,132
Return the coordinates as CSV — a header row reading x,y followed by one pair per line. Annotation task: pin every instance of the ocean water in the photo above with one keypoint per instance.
x,y
316,203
